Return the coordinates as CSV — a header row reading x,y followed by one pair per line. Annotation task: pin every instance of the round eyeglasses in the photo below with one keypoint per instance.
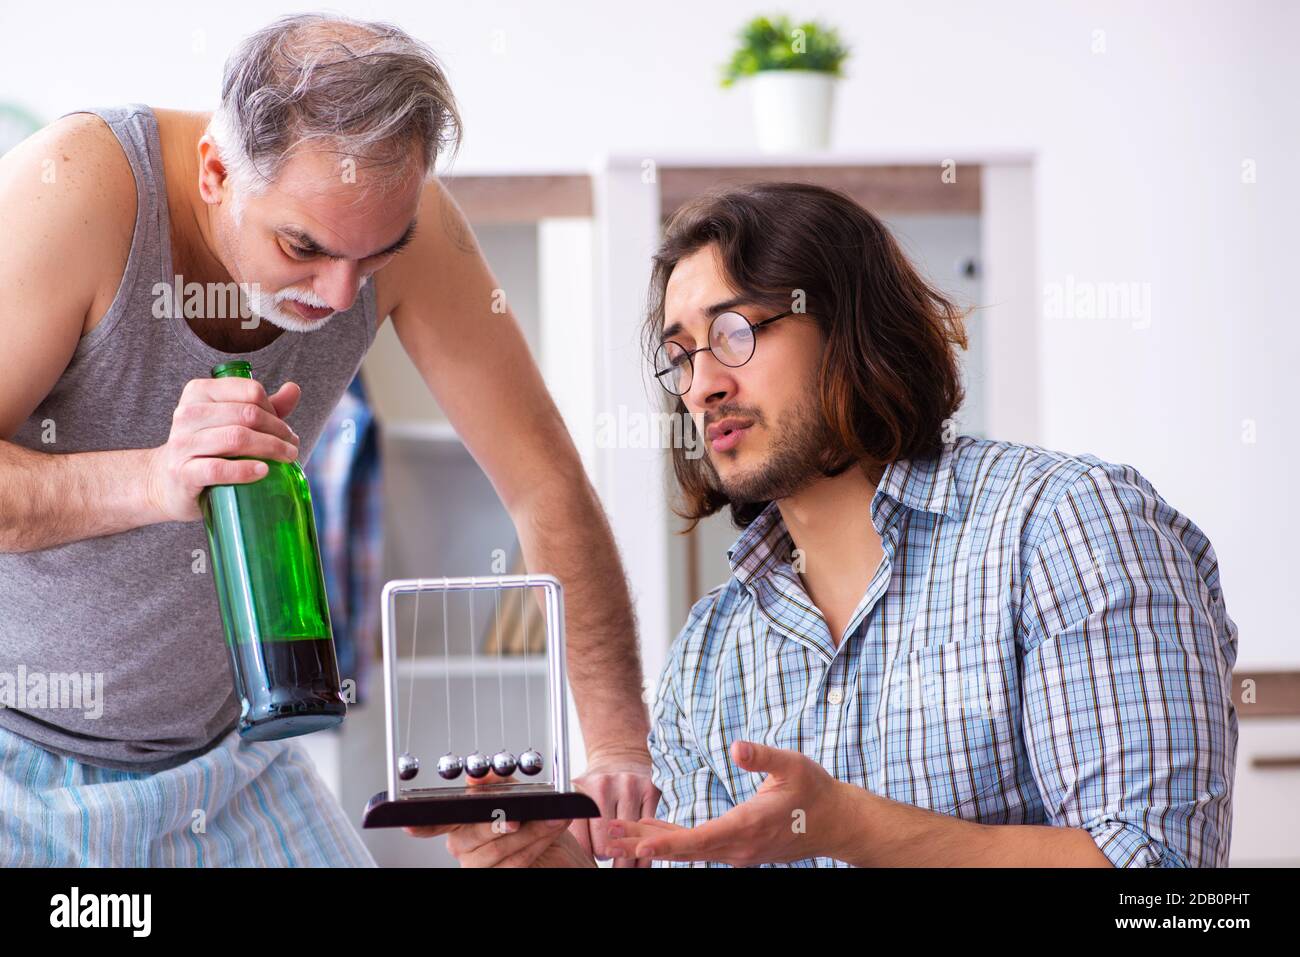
x,y
731,340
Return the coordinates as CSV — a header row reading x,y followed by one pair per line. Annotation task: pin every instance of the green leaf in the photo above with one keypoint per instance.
x,y
768,43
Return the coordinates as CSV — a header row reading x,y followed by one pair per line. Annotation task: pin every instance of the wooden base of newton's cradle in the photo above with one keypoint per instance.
x,y
419,807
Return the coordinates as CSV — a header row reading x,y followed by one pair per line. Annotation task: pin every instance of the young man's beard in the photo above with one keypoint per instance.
x,y
798,445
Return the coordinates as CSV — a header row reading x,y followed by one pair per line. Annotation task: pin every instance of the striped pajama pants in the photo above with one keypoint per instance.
x,y
242,804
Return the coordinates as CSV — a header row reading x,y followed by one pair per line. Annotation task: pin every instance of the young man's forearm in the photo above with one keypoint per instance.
x,y
563,532
879,832
50,499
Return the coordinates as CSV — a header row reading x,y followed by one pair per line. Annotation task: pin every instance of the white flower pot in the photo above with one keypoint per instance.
x,y
792,110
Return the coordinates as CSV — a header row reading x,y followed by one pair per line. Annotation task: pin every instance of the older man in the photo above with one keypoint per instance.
x,y
310,188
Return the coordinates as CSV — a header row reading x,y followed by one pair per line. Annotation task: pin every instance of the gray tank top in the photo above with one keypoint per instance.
x,y
140,608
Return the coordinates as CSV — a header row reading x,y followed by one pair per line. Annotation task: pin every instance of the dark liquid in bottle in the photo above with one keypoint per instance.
x,y
291,685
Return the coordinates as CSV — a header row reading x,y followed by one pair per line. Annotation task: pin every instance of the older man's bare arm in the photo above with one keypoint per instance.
x,y
477,364
67,212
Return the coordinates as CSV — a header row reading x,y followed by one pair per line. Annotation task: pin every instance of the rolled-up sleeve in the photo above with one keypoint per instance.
x,y
1127,655
690,793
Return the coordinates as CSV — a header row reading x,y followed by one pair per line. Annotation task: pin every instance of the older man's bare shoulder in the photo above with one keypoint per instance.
x,y
68,191
443,240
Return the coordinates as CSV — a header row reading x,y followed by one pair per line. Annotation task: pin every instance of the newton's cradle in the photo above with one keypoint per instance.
x,y
404,805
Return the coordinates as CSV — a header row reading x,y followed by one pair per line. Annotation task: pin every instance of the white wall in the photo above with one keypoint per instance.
x,y
1140,153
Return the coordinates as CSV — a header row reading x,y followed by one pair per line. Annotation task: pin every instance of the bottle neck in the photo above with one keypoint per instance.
x,y
237,368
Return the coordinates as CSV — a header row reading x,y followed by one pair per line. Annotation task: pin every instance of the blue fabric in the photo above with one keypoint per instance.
x,y
1044,642
241,804
345,478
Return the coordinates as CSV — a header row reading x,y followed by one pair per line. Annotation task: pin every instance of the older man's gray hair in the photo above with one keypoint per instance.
x,y
365,90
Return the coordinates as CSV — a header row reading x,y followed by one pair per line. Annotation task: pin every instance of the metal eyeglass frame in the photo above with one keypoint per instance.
x,y
690,353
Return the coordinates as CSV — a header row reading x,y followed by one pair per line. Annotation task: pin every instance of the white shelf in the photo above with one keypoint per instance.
x,y
458,666
423,432
722,159
613,159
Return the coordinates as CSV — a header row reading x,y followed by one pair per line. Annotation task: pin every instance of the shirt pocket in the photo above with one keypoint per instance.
x,y
948,721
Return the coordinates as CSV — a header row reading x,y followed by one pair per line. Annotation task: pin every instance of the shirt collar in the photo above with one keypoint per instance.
x,y
923,484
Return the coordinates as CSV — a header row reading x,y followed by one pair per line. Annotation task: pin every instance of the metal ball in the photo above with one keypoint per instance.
x,y
450,766
530,762
408,766
477,765
504,764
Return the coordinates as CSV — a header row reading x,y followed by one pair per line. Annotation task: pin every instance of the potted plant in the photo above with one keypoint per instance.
x,y
791,70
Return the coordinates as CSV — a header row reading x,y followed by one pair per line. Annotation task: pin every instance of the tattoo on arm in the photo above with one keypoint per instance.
x,y
455,227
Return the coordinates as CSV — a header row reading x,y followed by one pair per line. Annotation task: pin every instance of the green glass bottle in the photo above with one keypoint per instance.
x,y
271,589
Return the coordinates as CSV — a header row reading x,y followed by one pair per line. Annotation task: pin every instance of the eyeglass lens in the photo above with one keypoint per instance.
x,y
731,340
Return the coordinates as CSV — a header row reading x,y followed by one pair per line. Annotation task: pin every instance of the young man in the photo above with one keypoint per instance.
x,y
934,649
304,188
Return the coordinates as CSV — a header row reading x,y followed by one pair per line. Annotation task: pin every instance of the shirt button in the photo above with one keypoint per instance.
x,y
835,696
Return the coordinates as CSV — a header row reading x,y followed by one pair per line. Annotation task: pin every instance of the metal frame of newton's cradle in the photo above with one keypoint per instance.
x,y
517,801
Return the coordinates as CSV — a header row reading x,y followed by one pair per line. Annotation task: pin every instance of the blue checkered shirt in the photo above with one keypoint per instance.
x,y
1044,642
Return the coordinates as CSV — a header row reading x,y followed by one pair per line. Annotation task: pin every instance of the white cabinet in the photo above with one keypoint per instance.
x,y
1266,798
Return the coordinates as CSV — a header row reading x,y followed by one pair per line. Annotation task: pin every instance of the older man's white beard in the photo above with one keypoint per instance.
x,y
267,305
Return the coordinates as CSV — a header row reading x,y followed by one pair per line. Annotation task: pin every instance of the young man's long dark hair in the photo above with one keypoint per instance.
x,y
889,379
